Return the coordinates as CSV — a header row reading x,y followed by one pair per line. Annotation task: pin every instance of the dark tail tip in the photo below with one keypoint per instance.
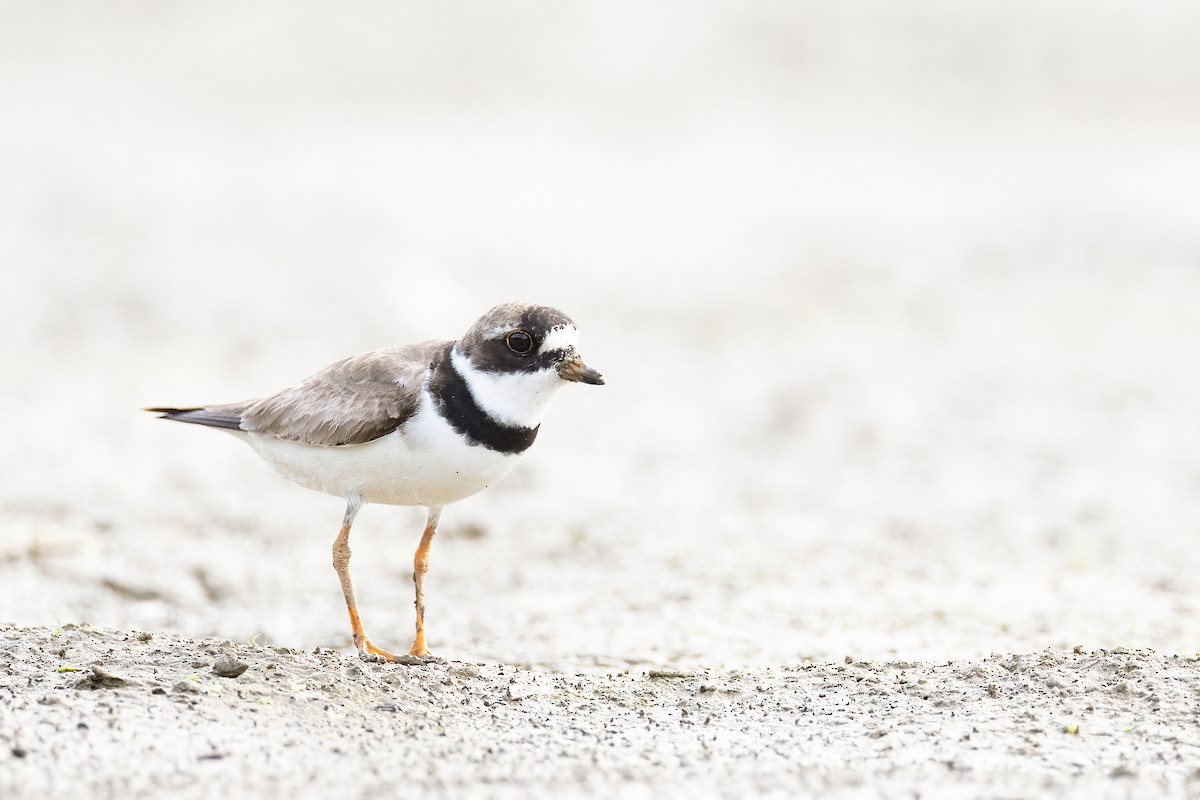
x,y
212,417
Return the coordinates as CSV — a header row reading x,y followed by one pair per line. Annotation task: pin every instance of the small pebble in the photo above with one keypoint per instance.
x,y
102,678
226,667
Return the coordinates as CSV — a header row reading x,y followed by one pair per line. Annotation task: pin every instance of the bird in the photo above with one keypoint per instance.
x,y
424,424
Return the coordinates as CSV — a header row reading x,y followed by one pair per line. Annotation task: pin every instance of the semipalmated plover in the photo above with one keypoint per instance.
x,y
419,425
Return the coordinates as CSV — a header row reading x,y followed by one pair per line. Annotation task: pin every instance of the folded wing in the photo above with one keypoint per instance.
x,y
353,401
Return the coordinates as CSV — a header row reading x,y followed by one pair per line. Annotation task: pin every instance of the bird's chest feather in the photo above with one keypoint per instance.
x,y
444,460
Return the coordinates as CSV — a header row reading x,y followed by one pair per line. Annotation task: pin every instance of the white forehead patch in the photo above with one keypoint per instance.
x,y
560,338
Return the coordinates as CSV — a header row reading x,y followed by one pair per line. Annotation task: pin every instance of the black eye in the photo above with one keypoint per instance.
x,y
519,342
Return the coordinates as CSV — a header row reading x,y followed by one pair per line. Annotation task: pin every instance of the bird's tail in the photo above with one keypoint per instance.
x,y
229,417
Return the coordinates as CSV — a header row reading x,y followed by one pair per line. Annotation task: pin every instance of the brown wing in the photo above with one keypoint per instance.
x,y
351,402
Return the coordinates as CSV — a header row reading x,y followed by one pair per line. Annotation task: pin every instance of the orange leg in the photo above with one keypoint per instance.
x,y
420,567
341,563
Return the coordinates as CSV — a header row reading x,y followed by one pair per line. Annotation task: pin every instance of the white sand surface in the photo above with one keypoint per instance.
x,y
899,309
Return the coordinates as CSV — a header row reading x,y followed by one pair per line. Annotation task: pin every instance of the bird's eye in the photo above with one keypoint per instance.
x,y
519,342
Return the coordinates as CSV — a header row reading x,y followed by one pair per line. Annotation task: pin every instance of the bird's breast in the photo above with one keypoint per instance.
x,y
424,462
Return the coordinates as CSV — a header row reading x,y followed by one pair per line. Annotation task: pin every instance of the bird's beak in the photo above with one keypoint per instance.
x,y
573,369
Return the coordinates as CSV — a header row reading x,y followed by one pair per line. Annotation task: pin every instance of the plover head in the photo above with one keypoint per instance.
x,y
516,357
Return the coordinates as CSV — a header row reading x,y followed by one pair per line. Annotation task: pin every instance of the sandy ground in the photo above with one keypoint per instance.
x,y
275,721
898,315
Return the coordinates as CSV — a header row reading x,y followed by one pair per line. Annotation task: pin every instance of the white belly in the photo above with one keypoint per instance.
x,y
423,463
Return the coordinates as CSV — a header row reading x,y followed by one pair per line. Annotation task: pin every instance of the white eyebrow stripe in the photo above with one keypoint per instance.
x,y
560,338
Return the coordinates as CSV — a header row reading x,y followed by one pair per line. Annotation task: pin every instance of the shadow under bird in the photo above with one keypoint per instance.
x,y
418,425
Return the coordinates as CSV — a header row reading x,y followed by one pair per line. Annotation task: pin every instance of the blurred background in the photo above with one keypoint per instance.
x,y
898,304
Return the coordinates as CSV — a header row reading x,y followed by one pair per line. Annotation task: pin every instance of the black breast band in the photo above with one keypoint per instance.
x,y
454,401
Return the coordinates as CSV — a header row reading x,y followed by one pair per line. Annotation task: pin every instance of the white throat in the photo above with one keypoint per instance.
x,y
513,398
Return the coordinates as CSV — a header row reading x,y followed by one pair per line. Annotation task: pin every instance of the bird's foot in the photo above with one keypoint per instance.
x,y
392,658
372,654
